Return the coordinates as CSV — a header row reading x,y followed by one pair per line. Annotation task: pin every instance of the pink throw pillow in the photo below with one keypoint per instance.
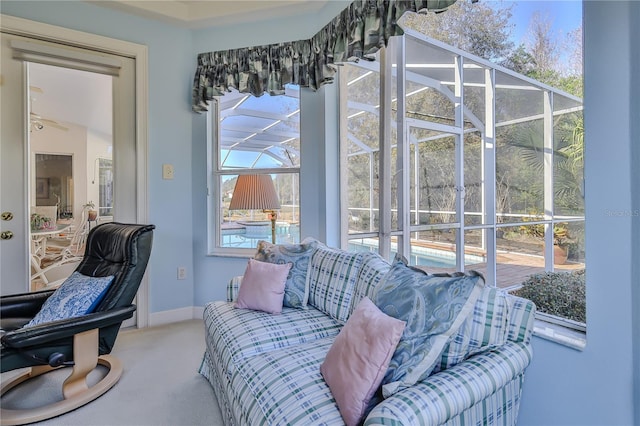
x,y
359,357
262,287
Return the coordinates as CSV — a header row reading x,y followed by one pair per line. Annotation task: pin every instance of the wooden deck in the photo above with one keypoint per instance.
x,y
513,268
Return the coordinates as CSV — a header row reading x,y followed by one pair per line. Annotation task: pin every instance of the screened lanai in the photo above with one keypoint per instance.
x,y
477,167
483,168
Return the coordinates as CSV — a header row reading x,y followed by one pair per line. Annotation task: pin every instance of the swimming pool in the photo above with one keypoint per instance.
x,y
422,256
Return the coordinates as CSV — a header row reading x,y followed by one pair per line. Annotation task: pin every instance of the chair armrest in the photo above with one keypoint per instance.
x,y
23,305
57,330
233,288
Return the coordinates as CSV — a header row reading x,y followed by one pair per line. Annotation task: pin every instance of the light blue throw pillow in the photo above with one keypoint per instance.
x,y
434,307
78,295
296,291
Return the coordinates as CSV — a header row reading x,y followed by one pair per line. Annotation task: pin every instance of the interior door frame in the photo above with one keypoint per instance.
x,y
138,52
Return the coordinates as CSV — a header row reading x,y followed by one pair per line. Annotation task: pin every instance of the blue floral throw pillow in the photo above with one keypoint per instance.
x,y
296,292
78,295
434,307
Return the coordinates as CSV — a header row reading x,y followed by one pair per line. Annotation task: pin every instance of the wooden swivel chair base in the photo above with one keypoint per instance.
x,y
75,389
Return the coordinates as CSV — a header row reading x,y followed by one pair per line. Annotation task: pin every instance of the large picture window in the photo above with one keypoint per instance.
x,y
459,164
254,135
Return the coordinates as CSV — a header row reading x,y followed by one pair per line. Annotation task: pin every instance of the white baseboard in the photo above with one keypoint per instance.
x,y
175,315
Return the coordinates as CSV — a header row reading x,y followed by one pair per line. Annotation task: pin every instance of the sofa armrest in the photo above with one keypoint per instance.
x,y
233,288
448,393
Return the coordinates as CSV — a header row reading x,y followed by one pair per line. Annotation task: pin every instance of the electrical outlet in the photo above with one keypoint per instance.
x,y
182,272
167,171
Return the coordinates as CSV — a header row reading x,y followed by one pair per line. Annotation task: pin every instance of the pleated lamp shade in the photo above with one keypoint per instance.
x,y
254,192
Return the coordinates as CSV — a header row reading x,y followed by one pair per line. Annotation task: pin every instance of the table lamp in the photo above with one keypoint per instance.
x,y
256,192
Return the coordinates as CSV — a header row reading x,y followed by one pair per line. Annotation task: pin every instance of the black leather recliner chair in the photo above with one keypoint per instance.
x,y
117,249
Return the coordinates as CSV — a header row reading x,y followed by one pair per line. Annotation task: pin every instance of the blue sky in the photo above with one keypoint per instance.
x,y
566,15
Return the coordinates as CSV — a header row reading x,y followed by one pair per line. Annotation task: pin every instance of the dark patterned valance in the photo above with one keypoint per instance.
x,y
359,31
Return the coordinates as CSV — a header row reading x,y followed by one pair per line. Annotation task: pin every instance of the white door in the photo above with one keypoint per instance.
x,y
16,53
14,250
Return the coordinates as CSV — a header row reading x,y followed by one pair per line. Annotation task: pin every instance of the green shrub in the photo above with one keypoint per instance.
x,y
557,293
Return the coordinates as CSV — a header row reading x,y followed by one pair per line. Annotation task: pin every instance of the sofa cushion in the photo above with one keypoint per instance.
x,y
359,357
332,278
434,307
263,286
484,329
285,387
373,269
296,292
237,333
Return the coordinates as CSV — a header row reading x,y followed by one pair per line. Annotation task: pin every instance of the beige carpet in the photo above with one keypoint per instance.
x,y
160,384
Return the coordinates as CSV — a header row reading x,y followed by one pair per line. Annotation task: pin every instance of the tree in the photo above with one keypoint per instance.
x,y
541,44
520,61
473,27
573,44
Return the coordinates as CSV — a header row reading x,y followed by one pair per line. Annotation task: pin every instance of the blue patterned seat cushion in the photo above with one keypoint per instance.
x,y
434,307
296,291
78,295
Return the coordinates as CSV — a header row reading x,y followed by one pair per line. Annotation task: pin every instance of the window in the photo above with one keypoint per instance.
x,y
106,187
254,135
466,165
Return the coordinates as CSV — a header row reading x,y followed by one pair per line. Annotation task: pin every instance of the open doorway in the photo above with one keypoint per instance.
x,y
71,170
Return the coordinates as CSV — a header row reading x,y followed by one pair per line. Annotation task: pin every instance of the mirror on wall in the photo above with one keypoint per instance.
x,y
53,184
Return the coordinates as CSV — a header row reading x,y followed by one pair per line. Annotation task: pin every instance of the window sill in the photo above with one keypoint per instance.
x,y
558,333
247,254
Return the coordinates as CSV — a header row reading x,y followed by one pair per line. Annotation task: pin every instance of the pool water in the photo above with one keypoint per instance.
x,y
433,261
425,256
421,256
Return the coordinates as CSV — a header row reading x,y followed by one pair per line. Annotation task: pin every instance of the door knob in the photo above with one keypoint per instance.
x,y
7,215
6,235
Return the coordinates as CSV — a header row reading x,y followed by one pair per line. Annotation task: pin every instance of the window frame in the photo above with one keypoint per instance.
x,y
214,185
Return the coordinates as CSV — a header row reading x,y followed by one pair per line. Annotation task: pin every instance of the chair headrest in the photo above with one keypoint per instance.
x,y
121,250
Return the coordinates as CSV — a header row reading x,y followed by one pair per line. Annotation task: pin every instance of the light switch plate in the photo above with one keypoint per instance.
x,y
167,171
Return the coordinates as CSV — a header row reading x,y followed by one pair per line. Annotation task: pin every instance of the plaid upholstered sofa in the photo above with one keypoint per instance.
x,y
265,368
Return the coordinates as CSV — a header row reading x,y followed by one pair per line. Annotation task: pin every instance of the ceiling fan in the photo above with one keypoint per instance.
x,y
38,122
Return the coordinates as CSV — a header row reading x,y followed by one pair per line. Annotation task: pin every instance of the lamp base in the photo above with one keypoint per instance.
x,y
273,216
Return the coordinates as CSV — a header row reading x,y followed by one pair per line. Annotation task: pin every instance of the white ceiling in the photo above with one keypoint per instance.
x,y
68,96
205,13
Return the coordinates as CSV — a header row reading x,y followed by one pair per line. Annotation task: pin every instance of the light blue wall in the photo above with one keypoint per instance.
x,y
635,191
171,70
563,386
595,386
213,273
